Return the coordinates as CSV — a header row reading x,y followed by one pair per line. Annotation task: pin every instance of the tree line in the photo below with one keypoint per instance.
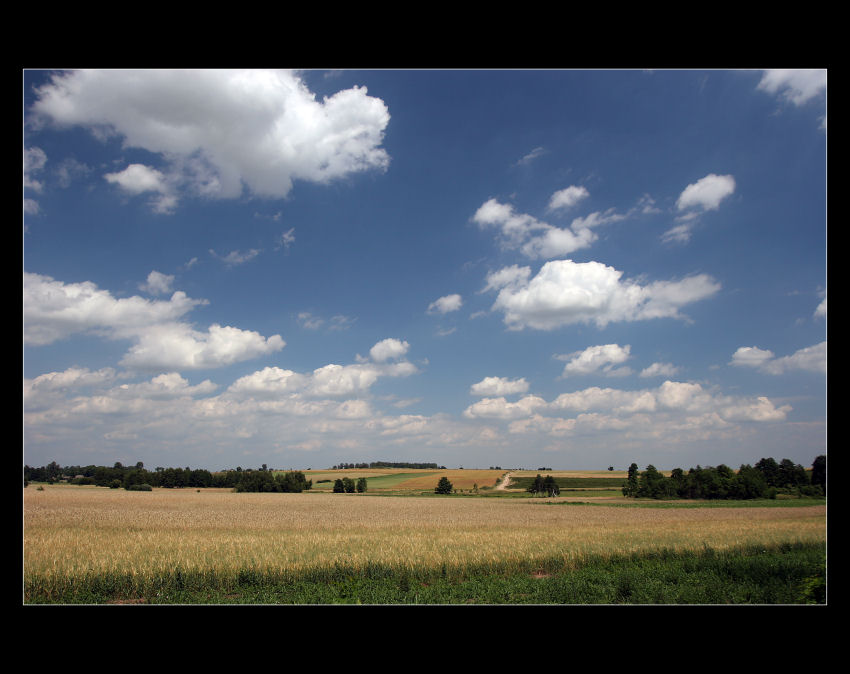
x,y
766,479
386,464
138,477
346,485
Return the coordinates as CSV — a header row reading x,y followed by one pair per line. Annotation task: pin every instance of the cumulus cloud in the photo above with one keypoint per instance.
x,y
329,381
178,346
659,370
796,86
500,408
164,387
706,193
73,377
672,404
565,292
498,386
537,239
54,310
568,197
603,357
808,359
138,179
34,160
445,304
157,283
388,349
270,381
220,132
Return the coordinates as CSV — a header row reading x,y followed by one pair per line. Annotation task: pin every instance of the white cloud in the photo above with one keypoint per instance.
x,y
809,359
223,131
164,387
445,304
54,310
270,381
310,321
671,406
388,349
137,179
706,193
538,239
565,292
286,239
499,386
660,370
73,377
531,156
157,283
500,408
568,197
820,312
796,86
236,257
507,277
594,358
34,160
177,346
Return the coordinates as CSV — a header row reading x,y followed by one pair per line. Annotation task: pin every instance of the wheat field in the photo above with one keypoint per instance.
x,y
74,532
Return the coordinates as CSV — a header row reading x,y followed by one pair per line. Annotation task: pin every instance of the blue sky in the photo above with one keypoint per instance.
x,y
523,268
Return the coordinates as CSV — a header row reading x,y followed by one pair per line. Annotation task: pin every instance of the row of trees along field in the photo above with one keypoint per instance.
x,y
137,477
346,485
387,464
766,479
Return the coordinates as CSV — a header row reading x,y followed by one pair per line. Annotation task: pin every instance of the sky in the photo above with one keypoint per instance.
x,y
572,269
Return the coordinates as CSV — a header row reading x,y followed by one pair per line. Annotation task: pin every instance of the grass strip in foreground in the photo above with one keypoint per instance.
x,y
787,574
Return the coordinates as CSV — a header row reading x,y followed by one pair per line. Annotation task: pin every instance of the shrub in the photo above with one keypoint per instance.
x,y
139,487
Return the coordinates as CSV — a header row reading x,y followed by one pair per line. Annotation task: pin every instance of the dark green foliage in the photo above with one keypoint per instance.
x,y
139,487
443,486
762,481
544,486
819,473
385,464
267,481
631,486
339,486
361,485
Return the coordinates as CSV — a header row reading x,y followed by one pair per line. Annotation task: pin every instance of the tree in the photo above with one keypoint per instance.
x,y
631,486
538,486
339,487
443,486
348,485
361,485
550,486
819,473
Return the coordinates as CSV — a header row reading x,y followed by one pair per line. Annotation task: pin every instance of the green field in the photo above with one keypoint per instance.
x,y
572,482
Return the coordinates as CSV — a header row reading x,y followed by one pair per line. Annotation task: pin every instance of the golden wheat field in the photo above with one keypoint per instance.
x,y
72,531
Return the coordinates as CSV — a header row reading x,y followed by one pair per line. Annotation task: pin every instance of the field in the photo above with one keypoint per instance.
x,y
98,545
405,479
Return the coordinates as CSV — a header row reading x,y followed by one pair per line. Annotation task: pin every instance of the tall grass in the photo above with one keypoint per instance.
x,y
94,542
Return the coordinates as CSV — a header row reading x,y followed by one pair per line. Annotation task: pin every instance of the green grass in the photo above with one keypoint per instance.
x,y
787,574
572,482
393,480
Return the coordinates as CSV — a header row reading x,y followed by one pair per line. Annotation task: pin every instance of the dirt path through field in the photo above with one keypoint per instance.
x,y
505,482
